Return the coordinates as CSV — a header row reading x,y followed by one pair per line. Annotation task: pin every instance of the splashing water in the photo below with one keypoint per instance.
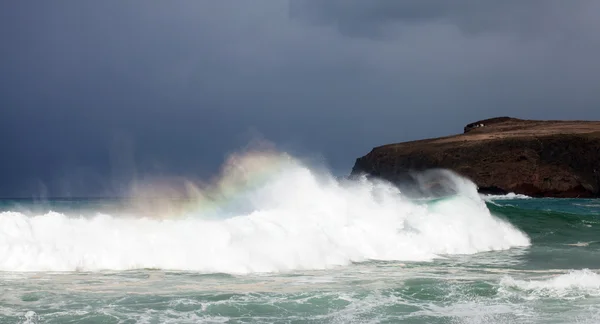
x,y
268,213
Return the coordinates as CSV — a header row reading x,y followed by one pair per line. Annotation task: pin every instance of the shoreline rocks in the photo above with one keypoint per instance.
x,y
502,155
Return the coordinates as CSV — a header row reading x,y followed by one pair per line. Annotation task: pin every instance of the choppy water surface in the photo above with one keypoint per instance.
x,y
297,247
493,287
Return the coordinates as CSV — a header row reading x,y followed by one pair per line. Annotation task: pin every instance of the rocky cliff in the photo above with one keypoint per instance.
x,y
501,155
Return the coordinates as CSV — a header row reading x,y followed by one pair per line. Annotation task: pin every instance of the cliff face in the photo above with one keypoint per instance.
x,y
501,155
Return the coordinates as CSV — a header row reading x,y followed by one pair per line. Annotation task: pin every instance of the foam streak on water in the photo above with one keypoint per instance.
x,y
575,283
508,196
295,220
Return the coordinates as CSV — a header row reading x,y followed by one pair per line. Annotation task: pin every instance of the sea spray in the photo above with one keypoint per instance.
x,y
267,213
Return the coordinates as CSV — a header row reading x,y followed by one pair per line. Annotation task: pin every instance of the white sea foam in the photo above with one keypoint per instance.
x,y
581,244
575,283
508,196
296,220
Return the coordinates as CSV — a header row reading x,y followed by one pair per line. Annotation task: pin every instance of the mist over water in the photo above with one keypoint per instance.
x,y
266,213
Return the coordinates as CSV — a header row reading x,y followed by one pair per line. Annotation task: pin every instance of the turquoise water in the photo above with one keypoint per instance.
x,y
554,280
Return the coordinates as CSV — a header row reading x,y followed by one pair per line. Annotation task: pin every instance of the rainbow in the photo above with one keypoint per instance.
x,y
240,175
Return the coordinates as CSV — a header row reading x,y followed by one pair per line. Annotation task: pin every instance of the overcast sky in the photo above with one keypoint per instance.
x,y
93,93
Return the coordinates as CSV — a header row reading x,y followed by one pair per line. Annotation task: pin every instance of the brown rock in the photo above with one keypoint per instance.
x,y
501,155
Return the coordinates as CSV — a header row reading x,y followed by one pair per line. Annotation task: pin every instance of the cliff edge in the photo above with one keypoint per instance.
x,y
501,155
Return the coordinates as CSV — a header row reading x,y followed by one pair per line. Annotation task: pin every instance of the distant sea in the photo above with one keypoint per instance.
x,y
281,243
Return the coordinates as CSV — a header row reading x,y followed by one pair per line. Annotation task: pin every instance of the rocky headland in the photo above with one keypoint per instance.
x,y
502,155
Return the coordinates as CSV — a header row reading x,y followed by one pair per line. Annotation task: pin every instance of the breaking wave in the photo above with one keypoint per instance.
x,y
293,218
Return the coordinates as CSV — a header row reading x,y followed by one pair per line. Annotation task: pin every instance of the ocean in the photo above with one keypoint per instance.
x,y
274,241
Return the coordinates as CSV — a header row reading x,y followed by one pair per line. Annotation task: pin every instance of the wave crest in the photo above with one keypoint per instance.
x,y
295,219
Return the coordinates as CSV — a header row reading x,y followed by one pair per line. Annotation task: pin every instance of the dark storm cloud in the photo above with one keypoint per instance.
x,y
95,94
374,18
